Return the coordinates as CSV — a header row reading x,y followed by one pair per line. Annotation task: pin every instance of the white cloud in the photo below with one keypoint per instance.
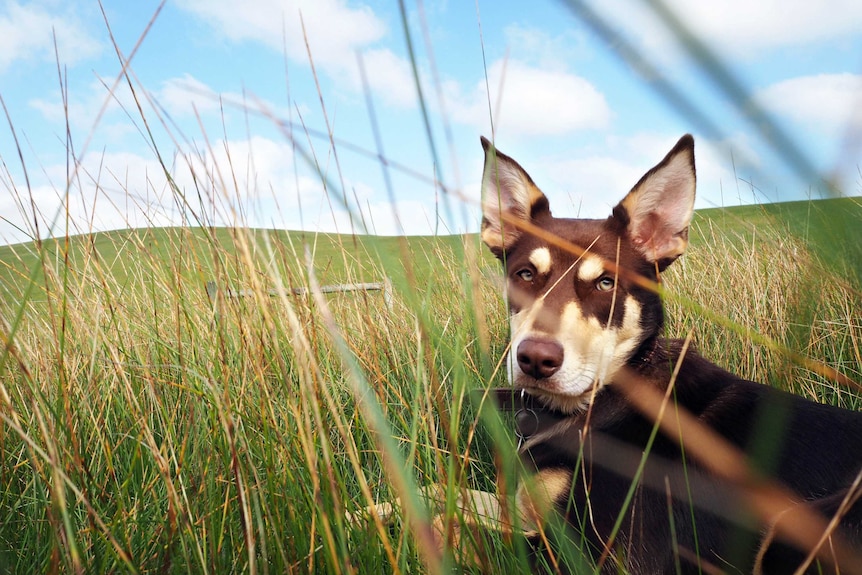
x,y
119,190
237,169
723,168
530,101
537,47
388,75
532,92
256,178
112,191
590,186
739,27
747,25
334,32
16,222
588,183
826,103
188,96
84,105
181,97
27,33
122,189
413,217
236,182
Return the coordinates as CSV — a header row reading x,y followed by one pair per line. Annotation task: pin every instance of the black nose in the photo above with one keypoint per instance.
x,y
540,358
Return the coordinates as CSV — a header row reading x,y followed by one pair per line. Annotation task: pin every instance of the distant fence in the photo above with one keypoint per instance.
x,y
385,286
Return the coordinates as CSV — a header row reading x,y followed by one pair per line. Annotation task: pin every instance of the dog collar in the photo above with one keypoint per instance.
x,y
531,416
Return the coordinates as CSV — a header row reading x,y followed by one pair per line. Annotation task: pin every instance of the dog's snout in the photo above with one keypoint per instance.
x,y
540,358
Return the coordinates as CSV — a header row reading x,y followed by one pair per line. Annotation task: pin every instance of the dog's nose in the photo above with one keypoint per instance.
x,y
540,358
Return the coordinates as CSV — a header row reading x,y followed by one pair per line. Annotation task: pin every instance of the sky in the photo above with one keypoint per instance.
x,y
217,112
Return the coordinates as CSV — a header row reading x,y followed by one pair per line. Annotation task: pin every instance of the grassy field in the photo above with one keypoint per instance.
x,y
147,428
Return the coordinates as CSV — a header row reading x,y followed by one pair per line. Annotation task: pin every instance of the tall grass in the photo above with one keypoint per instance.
x,y
145,427
149,428
763,279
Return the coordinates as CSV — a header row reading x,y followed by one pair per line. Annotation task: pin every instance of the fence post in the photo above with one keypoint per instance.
x,y
387,292
385,286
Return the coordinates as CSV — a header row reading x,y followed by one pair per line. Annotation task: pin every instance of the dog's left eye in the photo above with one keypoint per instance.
x,y
605,284
525,275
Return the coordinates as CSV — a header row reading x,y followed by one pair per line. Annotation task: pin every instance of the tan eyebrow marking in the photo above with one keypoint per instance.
x,y
541,260
592,267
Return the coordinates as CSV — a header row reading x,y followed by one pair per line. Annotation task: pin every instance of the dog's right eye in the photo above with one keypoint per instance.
x,y
525,275
605,283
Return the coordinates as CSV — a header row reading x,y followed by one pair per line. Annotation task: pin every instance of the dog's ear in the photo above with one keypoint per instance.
x,y
658,210
508,195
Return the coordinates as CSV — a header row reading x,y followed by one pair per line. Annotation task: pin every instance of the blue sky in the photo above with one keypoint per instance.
x,y
217,82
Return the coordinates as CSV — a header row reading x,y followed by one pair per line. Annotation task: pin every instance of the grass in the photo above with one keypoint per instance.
x,y
145,428
149,429
777,279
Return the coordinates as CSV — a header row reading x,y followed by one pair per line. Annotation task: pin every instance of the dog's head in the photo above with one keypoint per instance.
x,y
580,308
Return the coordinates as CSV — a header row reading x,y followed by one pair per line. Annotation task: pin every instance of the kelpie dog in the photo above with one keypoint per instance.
x,y
586,321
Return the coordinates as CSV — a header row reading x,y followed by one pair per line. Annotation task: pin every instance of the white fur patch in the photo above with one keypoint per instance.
x,y
593,353
591,268
541,260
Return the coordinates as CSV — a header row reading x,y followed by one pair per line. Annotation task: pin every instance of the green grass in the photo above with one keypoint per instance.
x,y
788,272
146,428
204,254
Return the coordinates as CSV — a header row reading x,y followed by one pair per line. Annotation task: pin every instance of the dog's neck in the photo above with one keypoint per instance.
x,y
647,354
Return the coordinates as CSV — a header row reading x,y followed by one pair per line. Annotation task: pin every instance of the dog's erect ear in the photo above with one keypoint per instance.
x,y
508,193
658,210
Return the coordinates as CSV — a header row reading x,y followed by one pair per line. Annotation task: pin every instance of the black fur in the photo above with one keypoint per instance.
x,y
817,456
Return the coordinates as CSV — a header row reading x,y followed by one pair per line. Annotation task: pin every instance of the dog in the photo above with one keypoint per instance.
x,y
586,324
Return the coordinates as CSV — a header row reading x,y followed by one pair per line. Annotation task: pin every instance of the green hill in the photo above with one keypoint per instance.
x,y
201,255
829,227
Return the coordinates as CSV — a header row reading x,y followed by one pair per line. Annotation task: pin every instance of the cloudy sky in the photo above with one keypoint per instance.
x,y
228,110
